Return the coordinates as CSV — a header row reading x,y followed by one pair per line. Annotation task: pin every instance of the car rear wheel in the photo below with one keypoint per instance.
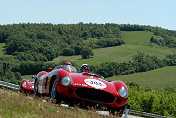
x,y
54,96
36,88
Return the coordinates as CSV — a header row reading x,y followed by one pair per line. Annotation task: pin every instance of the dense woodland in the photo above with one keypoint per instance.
x,y
32,45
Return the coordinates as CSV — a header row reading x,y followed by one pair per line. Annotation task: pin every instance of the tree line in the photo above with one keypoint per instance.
x,y
167,42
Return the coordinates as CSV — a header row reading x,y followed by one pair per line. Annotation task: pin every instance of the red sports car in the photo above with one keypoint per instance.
x,y
65,81
27,85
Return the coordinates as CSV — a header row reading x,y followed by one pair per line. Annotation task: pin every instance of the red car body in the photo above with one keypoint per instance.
x,y
27,85
81,86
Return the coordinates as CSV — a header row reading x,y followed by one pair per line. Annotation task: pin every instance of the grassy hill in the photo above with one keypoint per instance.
x,y
136,41
159,79
136,37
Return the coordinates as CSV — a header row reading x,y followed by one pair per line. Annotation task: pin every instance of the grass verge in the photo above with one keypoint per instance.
x,y
16,105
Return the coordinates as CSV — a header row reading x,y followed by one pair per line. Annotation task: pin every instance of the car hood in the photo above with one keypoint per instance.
x,y
92,81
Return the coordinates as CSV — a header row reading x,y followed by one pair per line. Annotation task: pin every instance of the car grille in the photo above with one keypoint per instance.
x,y
95,95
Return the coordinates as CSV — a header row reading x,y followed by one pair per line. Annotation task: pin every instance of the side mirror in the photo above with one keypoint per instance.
x,y
50,69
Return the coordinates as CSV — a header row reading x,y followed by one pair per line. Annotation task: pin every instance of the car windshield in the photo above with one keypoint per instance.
x,y
66,67
32,79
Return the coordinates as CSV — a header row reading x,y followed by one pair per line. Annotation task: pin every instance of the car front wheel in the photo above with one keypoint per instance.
x,y
117,112
36,88
54,93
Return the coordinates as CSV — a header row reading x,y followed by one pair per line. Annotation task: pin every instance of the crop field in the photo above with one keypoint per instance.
x,y
136,41
16,105
158,79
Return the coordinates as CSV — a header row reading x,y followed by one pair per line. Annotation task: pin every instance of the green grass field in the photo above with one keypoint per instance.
x,y
158,78
136,37
136,41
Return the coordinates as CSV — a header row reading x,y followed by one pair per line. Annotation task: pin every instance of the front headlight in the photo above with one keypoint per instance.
x,y
66,81
123,92
24,84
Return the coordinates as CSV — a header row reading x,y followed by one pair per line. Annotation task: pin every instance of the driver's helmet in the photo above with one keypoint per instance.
x,y
85,68
33,77
68,63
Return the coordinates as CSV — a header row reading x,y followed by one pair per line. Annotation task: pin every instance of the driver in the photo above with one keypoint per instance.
x,y
85,68
68,63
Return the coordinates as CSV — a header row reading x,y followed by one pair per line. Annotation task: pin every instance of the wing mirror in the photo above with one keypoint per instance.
x,y
50,69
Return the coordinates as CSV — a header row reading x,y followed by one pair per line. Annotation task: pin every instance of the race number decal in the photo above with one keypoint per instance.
x,y
95,83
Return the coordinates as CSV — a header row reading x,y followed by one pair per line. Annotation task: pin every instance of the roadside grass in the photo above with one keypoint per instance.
x,y
157,79
16,105
136,41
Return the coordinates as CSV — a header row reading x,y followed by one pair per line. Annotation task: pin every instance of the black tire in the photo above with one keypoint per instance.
x,y
121,111
36,88
54,96
118,112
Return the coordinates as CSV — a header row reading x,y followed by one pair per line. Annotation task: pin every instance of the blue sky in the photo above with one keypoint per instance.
x,y
160,13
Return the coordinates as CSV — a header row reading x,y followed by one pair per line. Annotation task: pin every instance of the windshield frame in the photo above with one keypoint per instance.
x,y
31,79
66,67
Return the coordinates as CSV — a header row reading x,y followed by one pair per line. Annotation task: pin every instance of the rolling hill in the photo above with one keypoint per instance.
x,y
136,41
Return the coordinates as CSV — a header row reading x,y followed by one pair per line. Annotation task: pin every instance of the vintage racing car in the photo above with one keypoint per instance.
x,y
65,81
27,85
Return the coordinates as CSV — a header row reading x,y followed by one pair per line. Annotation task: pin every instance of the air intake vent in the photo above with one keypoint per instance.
x,y
95,95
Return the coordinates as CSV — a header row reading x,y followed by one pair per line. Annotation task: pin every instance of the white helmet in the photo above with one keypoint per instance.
x,y
85,67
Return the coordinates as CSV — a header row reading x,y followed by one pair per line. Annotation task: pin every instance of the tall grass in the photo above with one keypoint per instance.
x,y
15,105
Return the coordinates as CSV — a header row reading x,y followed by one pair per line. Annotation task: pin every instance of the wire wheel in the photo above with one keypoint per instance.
x,y
36,88
54,93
